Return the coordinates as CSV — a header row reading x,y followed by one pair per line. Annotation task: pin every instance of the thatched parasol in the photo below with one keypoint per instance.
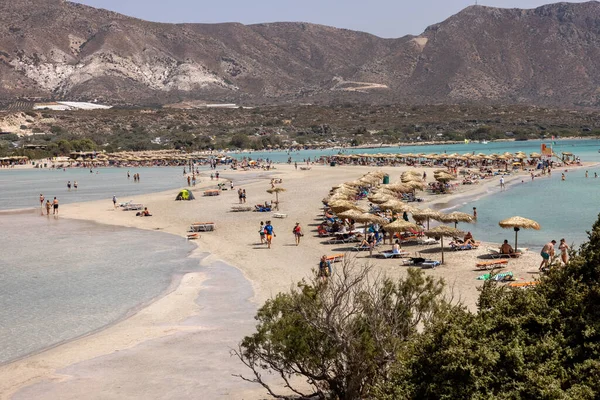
x,y
444,177
426,214
342,205
442,231
399,187
379,198
456,217
517,223
390,204
400,225
276,190
416,185
350,214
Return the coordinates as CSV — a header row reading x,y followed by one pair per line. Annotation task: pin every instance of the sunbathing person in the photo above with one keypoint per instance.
x,y
468,239
506,248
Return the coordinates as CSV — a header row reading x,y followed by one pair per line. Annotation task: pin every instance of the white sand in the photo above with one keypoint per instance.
x,y
236,241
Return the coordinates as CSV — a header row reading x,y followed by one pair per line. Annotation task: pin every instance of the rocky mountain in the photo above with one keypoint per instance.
x,y
55,49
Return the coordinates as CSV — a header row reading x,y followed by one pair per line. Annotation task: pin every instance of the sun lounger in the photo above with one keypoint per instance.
x,y
202,227
133,206
523,284
335,258
212,192
191,236
495,253
460,247
361,248
390,254
279,215
490,264
427,241
430,263
305,168
241,208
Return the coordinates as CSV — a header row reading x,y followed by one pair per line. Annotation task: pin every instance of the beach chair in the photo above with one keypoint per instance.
x,y
241,208
279,215
490,264
133,207
460,247
335,258
427,241
390,254
202,227
361,248
192,236
430,264
523,284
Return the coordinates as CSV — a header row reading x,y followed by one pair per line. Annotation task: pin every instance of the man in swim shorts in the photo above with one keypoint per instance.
x,y
55,204
547,252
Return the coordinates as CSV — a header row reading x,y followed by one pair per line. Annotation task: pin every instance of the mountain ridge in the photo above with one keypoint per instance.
x,y
56,49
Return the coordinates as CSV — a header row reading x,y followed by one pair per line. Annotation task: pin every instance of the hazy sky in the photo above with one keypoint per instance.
x,y
385,18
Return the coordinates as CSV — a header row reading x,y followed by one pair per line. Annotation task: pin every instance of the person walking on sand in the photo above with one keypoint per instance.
x,y
546,253
269,233
502,185
261,232
55,205
189,181
297,231
48,207
564,248
114,201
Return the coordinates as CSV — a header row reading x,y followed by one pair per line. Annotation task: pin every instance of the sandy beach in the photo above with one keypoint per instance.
x,y
154,345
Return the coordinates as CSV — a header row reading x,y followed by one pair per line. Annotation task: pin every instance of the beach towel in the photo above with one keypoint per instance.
x,y
495,277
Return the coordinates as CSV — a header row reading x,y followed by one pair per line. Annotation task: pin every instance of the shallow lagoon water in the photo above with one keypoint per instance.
x,y
60,279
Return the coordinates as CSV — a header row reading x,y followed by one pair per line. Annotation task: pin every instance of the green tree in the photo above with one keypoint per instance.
x,y
539,343
340,336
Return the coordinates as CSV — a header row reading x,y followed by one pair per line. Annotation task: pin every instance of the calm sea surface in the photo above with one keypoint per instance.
x,y
21,188
61,278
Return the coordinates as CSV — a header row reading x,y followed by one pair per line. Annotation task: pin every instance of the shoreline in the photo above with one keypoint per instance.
x,y
215,252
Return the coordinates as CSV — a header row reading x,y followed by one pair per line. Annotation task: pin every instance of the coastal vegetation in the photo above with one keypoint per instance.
x,y
356,336
52,133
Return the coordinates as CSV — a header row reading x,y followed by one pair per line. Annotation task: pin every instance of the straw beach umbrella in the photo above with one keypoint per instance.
x,y
426,214
517,223
442,231
276,190
457,217
399,226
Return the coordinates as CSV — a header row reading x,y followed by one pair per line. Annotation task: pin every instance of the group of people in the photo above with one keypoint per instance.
x,y
548,253
75,185
49,206
267,232
136,176
241,195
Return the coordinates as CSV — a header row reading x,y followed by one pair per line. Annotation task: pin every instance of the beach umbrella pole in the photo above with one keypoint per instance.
x,y
442,242
516,233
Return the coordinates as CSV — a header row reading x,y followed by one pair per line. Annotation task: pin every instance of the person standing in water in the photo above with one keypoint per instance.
x,y
55,205
475,212
75,185
42,198
69,186
48,207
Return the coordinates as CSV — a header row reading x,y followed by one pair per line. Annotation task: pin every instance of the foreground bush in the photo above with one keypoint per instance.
x,y
341,336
